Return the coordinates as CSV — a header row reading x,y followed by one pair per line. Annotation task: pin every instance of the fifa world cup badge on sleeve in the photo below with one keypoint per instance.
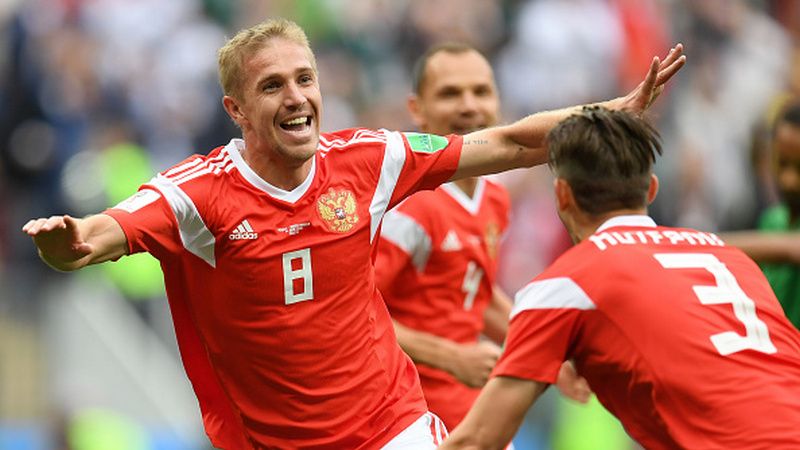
x,y
337,208
425,143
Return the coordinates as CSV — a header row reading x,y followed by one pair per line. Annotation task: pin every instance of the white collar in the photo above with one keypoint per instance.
x,y
472,205
235,148
638,220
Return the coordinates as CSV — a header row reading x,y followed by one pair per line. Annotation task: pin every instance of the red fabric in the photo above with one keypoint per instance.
x,y
435,299
644,342
324,372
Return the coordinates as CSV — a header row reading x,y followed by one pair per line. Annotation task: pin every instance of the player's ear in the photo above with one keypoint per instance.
x,y
652,191
564,196
233,109
415,109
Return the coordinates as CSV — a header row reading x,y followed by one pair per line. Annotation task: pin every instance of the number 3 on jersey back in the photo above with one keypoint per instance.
x,y
726,290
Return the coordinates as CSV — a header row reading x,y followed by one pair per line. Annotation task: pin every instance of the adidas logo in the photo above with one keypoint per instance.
x,y
243,231
451,243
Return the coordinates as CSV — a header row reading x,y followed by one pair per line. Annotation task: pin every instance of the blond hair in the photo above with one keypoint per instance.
x,y
231,56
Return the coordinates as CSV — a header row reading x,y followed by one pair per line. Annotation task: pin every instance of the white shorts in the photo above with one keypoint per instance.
x,y
426,433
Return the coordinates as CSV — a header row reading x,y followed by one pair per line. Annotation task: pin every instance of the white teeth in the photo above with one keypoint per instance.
x,y
297,121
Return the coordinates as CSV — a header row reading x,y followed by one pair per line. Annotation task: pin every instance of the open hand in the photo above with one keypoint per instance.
x,y
643,95
58,239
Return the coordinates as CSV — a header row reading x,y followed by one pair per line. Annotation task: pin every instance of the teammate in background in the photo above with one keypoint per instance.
x,y
266,245
678,334
437,255
776,246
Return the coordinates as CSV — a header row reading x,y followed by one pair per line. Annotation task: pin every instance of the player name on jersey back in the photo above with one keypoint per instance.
x,y
606,239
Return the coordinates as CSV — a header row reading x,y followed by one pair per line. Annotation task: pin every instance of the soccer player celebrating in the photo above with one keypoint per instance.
x,y
266,245
678,334
436,259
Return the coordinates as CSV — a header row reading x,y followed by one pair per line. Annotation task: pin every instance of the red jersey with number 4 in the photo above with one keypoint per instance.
x,y
678,334
285,338
436,267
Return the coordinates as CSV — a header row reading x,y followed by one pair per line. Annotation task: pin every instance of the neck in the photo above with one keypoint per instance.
x,y
585,224
467,185
276,170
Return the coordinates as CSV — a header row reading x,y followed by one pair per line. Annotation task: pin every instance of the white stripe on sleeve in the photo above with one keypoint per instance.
x,y
553,293
404,232
393,160
195,236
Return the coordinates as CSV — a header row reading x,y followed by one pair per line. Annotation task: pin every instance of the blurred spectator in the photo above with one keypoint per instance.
x,y
708,154
67,66
777,247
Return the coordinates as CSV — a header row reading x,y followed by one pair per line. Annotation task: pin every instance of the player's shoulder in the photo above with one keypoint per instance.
x,y
563,284
585,262
198,166
351,138
198,176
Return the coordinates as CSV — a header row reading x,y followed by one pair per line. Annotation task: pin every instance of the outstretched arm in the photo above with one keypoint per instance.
x,y
66,243
521,144
496,414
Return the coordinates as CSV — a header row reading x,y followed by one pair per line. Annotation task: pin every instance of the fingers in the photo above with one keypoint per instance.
x,y
665,74
671,65
649,82
673,55
36,226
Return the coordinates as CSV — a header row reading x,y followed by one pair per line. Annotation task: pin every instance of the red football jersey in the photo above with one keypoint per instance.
x,y
438,254
282,332
678,334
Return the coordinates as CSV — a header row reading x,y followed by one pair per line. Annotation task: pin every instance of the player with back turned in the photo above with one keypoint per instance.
x,y
678,334
266,245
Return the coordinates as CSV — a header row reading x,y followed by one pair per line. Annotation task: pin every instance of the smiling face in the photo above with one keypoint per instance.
x,y
457,94
280,104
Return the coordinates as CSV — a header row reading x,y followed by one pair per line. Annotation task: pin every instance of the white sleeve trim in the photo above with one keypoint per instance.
x,y
394,159
403,231
553,293
195,236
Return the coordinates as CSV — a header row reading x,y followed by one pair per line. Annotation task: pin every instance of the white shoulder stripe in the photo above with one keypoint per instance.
x,y
195,236
183,167
363,135
404,232
394,159
553,293
210,166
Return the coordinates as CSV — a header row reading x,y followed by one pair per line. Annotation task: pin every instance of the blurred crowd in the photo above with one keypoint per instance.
x,y
98,95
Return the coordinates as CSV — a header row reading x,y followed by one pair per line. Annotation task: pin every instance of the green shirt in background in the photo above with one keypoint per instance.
x,y
784,278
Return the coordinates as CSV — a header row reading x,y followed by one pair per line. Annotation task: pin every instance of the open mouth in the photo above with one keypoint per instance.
x,y
297,124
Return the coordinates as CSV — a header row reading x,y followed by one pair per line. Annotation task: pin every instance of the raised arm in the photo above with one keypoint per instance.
x,y
66,243
521,144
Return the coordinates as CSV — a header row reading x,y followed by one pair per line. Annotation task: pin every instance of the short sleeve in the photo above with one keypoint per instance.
x,y
148,223
430,160
544,322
